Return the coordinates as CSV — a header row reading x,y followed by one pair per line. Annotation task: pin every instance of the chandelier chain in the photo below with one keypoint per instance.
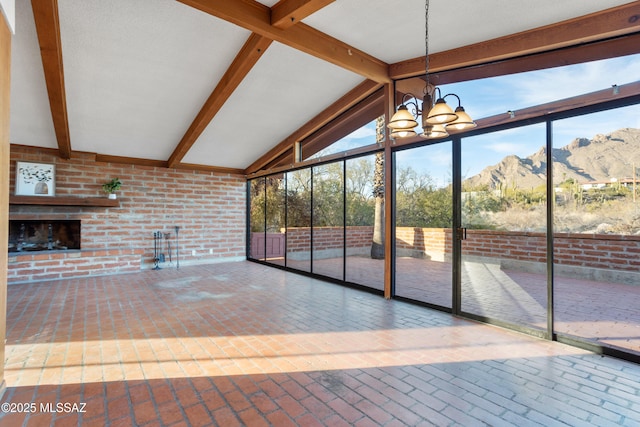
x,y
426,44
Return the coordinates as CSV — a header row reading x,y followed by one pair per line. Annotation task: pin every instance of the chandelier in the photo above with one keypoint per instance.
x,y
436,119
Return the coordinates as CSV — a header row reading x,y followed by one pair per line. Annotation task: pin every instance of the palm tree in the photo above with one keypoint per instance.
x,y
377,245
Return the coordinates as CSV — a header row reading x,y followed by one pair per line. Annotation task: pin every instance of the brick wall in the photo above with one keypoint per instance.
x,y
31,266
208,207
521,246
324,238
599,251
431,243
605,251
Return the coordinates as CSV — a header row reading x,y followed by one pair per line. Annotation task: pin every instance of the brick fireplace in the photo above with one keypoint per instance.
x,y
117,236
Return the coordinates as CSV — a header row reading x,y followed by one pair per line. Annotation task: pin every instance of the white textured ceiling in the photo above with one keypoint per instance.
x,y
30,116
137,72
394,31
253,123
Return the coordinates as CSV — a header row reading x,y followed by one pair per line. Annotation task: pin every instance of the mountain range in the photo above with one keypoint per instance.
x,y
602,158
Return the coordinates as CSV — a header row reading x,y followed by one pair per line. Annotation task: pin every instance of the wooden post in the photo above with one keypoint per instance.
x,y
5,89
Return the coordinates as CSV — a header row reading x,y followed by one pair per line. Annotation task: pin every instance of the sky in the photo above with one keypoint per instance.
x,y
488,97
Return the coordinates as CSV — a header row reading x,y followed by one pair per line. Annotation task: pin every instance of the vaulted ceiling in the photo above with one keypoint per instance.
x,y
217,84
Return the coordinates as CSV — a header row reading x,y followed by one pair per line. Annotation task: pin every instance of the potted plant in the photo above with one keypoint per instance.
x,y
111,187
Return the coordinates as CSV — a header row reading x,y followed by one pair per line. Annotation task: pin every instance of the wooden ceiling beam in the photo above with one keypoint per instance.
x,y
351,98
284,168
349,121
214,169
45,15
287,13
605,49
286,158
600,25
244,61
354,118
105,158
256,17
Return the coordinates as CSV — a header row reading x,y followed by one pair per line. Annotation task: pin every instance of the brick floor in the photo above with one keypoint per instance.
x,y
245,344
604,313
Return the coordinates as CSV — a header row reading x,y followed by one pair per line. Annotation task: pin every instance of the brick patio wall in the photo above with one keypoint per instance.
x,y
209,208
328,237
602,251
431,243
593,251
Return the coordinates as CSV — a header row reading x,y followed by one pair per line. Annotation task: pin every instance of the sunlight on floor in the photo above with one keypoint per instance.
x,y
115,360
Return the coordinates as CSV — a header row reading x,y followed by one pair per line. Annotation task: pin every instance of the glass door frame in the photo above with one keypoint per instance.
x,y
458,232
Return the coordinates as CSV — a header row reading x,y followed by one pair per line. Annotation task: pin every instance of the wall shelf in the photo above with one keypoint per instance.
x,y
64,201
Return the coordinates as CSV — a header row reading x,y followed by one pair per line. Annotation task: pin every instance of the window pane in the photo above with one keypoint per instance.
x,y
597,227
299,219
497,95
275,233
424,217
328,220
366,135
504,257
361,267
257,217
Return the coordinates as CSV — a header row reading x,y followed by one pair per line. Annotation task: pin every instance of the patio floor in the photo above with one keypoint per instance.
x,y
245,344
604,313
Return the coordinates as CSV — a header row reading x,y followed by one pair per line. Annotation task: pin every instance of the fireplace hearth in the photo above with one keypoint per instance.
x,y
43,235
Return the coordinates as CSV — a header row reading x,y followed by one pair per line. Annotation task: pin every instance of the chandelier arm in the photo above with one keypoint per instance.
x,y
457,97
437,89
416,111
406,96
412,100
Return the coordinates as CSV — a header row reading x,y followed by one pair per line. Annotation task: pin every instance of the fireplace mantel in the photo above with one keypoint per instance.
x,y
64,201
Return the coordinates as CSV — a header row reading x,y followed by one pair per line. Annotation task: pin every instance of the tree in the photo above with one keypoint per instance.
x,y
298,198
377,245
328,195
267,199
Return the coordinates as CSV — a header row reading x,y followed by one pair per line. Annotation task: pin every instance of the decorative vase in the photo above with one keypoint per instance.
x,y
113,196
41,188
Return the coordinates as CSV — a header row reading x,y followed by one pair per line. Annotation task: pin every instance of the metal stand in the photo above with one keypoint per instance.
x,y
157,236
177,248
168,242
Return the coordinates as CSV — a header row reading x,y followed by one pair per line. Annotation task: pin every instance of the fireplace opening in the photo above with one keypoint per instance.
x,y
43,235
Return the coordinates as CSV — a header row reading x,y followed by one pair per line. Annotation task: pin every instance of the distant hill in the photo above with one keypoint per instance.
x,y
598,159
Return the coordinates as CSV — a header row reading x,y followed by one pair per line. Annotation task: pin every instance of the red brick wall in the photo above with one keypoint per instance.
x,y
208,207
359,236
604,251
598,251
298,238
433,243
65,265
521,246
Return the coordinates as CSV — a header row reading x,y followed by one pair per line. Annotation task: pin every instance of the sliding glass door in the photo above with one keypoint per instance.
x,y
503,212
328,220
597,228
299,219
424,220
275,220
363,266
